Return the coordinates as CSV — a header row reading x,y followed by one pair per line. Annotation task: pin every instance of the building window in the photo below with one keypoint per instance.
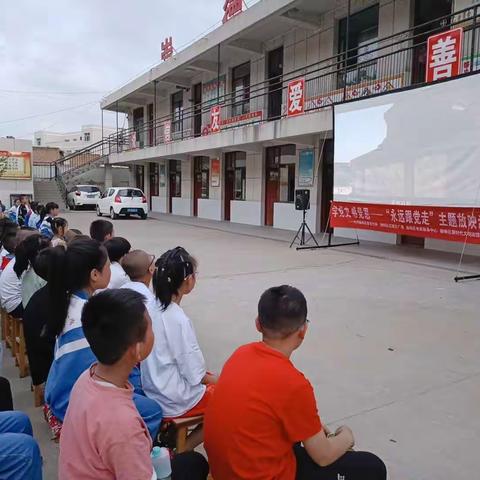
x,y
236,167
154,179
177,111
39,142
86,136
241,89
67,140
363,33
80,138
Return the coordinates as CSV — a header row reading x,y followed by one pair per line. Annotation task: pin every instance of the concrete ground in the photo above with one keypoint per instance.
x,y
393,347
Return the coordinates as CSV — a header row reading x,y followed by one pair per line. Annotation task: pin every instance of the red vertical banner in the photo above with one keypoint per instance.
x,y
444,55
167,132
215,119
296,97
215,167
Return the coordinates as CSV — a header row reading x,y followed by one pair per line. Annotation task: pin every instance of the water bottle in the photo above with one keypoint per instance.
x,y
161,463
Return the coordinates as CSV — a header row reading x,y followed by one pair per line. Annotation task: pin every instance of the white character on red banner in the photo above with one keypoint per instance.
x,y
444,53
296,97
215,119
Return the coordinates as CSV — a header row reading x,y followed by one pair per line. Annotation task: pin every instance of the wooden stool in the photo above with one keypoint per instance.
x,y
3,314
21,349
182,426
10,333
39,395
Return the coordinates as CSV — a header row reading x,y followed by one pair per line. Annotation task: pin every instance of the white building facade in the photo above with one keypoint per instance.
x,y
210,133
70,142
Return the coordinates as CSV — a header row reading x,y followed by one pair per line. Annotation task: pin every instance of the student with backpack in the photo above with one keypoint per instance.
x,y
174,374
74,276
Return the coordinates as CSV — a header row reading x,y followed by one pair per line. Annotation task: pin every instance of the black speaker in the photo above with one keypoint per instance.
x,y
302,199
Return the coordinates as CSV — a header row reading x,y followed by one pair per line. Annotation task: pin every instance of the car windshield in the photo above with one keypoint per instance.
x,y
88,189
130,192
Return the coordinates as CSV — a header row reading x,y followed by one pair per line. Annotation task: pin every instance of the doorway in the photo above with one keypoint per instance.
x,y
153,173
274,75
426,16
201,174
197,108
235,180
175,182
279,178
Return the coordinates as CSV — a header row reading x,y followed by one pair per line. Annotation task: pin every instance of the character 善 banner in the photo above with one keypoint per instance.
x,y
457,224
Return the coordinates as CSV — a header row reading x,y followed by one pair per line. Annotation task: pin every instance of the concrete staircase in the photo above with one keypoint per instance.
x,y
45,191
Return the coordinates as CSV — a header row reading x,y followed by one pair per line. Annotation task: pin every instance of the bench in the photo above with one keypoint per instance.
x,y
174,432
20,348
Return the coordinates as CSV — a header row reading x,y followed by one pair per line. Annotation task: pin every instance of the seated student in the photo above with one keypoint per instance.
x,y
13,211
25,254
139,266
10,283
40,344
74,275
37,215
8,238
59,229
51,211
174,374
19,453
117,248
101,230
103,436
264,407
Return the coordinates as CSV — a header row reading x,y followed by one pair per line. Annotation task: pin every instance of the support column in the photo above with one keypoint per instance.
x,y
108,176
131,176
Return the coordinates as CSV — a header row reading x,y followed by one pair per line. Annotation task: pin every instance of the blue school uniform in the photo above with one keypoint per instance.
x,y
72,357
46,228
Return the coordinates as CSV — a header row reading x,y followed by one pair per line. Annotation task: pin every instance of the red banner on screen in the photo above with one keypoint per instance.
x,y
446,223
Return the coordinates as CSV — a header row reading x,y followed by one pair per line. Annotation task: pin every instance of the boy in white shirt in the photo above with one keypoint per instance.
x,y
139,267
117,248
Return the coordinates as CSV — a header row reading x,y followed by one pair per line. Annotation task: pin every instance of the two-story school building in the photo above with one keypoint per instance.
x,y
211,132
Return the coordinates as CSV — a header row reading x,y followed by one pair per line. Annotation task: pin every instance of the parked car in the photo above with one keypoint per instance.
x,y
126,201
83,195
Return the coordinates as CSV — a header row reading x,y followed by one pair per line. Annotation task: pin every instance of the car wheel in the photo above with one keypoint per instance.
x,y
113,215
144,216
99,213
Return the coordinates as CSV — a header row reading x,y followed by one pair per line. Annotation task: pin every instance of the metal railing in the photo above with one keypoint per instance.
x,y
392,63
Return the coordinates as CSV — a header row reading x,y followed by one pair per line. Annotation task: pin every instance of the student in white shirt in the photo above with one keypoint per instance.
x,y
59,229
174,374
117,248
10,283
139,266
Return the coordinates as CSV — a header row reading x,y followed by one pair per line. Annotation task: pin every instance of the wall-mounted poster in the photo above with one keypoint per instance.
x,y
15,165
215,167
305,168
161,176
211,90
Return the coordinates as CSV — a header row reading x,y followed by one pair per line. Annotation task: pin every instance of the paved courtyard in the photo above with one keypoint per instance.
x,y
393,348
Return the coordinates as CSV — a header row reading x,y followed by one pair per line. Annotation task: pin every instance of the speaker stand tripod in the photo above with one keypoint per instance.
x,y
301,233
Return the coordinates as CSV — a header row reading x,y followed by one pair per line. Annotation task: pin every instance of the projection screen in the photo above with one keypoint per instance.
x,y
416,147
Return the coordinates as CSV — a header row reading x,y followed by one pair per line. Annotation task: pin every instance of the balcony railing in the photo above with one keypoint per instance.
x,y
392,63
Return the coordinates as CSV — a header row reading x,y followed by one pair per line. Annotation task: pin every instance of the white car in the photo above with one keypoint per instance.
x,y
126,201
83,195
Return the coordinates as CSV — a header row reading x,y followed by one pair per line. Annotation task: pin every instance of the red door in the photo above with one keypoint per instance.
x,y
272,182
229,184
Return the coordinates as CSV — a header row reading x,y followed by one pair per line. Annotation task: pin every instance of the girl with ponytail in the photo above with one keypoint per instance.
x,y
174,374
74,276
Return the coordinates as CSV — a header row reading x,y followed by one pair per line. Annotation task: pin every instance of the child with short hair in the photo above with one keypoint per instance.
x,y
103,436
101,230
264,407
174,374
117,248
139,267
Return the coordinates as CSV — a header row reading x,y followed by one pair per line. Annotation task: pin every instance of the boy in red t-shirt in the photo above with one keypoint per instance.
x,y
263,408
